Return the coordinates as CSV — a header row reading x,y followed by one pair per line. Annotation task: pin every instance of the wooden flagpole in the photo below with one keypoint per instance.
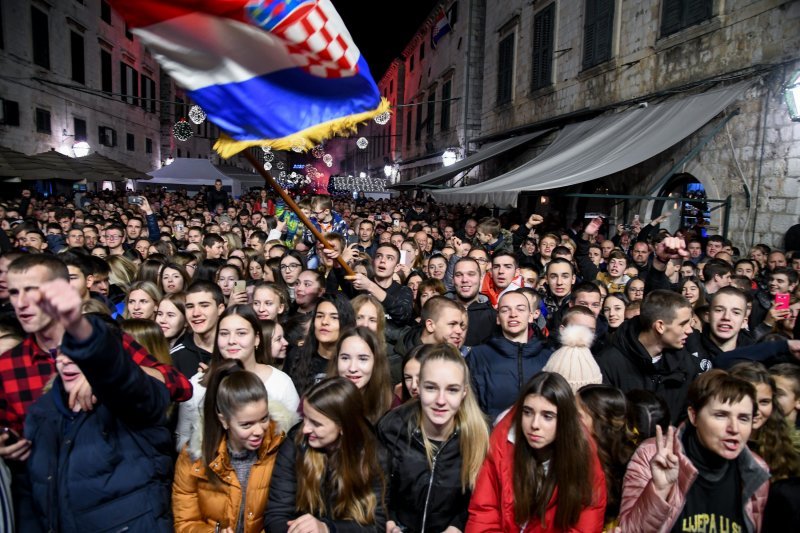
x,y
293,206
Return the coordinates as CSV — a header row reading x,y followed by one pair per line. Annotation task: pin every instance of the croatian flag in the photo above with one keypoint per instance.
x,y
281,73
440,27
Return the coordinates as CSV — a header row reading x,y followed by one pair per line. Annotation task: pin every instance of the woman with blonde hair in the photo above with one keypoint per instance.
x,y
369,313
439,439
328,476
123,271
149,335
142,300
232,241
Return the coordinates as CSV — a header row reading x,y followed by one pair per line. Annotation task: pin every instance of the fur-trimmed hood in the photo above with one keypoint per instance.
x,y
284,420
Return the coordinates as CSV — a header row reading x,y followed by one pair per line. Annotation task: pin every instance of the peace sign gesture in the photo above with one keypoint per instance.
x,y
664,464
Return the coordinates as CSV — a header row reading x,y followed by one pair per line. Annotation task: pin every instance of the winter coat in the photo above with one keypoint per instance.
x,y
504,244
108,469
491,508
421,498
482,321
283,490
500,368
216,197
702,346
627,365
199,504
642,510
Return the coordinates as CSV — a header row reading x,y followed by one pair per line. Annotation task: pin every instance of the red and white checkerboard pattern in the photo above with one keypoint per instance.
x,y
319,41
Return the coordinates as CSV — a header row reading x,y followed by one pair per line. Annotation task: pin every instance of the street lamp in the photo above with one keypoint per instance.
x,y
362,175
449,157
81,149
169,160
387,169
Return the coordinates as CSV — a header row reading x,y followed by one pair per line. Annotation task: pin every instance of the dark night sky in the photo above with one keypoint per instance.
x,y
382,28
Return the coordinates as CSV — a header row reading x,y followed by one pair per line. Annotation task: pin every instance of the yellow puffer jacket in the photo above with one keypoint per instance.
x,y
199,505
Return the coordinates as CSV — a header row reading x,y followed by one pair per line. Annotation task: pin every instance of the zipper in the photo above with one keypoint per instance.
x,y
519,367
430,481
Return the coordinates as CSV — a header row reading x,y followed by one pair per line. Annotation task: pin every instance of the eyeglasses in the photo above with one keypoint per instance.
x,y
293,266
480,259
113,237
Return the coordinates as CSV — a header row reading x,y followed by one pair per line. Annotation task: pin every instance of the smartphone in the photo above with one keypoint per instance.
x,y
240,286
13,436
636,218
782,301
396,222
178,227
135,200
403,257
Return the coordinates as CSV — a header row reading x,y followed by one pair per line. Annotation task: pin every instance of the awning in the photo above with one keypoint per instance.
x,y
200,171
600,147
489,151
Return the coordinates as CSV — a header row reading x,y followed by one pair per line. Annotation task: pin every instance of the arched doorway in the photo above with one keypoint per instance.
x,y
687,214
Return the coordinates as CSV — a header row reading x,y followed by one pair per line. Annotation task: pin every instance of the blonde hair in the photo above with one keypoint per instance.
x,y
149,335
469,420
149,288
123,271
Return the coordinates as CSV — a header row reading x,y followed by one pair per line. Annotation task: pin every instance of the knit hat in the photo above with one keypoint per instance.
x,y
574,361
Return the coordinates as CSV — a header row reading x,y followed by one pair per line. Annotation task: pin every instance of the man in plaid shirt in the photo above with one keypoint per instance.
x,y
26,369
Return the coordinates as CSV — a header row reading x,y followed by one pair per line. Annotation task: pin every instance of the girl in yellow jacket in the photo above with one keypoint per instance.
x,y
222,476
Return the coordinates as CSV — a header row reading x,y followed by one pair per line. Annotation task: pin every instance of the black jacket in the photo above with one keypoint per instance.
x,y
421,499
500,368
701,345
215,198
626,364
187,356
482,323
283,488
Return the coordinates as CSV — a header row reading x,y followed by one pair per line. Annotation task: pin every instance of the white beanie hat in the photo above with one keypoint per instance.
x,y
574,361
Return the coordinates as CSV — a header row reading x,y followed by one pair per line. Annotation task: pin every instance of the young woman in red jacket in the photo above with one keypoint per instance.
x,y
542,472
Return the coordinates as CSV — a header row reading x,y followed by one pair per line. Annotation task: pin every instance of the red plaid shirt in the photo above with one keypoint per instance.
x,y
26,369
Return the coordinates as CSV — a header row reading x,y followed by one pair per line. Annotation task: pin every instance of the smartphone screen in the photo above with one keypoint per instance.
x,y
782,301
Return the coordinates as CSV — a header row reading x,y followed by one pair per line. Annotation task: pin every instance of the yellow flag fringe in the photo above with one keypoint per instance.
x,y
307,138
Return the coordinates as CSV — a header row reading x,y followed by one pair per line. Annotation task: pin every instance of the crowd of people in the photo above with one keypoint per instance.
x,y
196,363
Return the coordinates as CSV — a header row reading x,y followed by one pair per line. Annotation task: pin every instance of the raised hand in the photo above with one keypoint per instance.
x,y
534,220
671,248
60,301
594,226
664,464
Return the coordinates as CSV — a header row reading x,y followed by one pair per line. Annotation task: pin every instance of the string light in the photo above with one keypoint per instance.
x,y
318,151
350,184
182,130
268,157
267,166
328,160
383,118
196,114
362,143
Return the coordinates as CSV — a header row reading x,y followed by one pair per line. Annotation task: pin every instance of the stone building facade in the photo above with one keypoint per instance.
x,y
547,63
71,71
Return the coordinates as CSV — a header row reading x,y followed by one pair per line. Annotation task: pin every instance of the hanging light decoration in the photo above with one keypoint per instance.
x,y
383,118
196,114
280,165
298,145
182,130
362,143
266,148
328,160
267,166
318,151
268,157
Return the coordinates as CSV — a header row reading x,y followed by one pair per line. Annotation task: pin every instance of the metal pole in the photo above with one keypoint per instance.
x,y
293,206
726,220
467,81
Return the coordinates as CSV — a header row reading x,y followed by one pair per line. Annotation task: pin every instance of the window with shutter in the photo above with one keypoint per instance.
x,y
78,64
129,81
106,84
677,15
43,122
447,88
79,127
598,30
40,34
10,113
543,39
505,70
431,118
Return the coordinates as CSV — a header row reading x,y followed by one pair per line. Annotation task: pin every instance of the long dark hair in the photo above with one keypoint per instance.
x,y
570,467
608,408
353,462
772,440
229,388
247,313
378,391
300,370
